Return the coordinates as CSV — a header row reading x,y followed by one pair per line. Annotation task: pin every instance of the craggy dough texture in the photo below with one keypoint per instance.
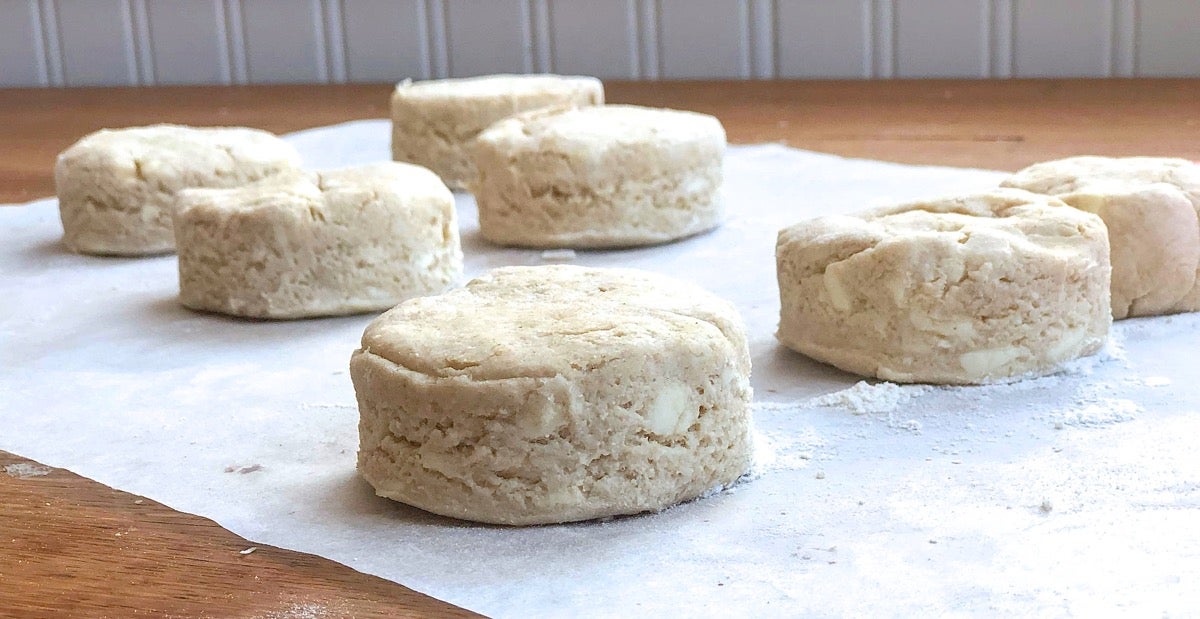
x,y
1151,206
967,290
116,187
552,394
435,121
604,176
317,243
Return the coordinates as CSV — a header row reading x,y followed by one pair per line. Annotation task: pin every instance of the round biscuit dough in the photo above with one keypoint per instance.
x,y
116,187
551,394
602,176
317,243
968,290
435,121
1151,206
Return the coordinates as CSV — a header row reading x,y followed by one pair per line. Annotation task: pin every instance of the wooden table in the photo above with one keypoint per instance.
x,y
1002,125
70,546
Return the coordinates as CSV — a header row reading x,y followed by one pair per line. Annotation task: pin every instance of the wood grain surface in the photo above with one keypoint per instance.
x,y
1002,125
72,547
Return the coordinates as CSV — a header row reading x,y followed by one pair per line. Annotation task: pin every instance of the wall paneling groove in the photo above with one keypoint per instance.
x,y
134,42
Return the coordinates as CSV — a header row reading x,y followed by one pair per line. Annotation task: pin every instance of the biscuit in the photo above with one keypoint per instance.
x,y
602,176
554,393
435,121
1151,206
116,187
317,243
965,290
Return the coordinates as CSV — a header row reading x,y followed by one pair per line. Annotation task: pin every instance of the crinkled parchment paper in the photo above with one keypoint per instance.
x,y
1077,493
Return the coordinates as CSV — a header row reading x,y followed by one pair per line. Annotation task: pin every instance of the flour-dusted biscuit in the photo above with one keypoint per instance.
x,y
1151,207
116,186
552,394
602,176
317,243
435,121
965,290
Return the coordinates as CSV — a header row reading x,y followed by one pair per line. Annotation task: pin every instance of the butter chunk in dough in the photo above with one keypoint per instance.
x,y
116,187
318,243
603,176
552,394
966,290
435,121
1151,206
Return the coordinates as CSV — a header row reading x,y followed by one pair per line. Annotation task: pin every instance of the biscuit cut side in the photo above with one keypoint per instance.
x,y
318,244
968,290
603,176
116,188
435,121
552,394
1151,206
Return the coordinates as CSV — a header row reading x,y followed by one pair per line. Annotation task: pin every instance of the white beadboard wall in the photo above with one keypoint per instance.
x,y
131,42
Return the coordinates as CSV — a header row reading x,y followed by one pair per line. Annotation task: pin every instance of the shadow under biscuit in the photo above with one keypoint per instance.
x,y
166,309
781,366
48,248
355,495
170,321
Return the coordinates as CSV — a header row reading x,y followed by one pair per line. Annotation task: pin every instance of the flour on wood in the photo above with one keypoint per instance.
x,y
25,470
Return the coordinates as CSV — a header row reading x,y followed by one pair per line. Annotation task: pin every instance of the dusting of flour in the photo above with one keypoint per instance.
x,y
880,398
25,470
1102,412
775,452
863,397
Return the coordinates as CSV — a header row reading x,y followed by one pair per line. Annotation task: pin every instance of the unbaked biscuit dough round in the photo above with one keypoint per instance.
x,y
552,394
116,187
603,176
1151,206
435,121
967,290
317,243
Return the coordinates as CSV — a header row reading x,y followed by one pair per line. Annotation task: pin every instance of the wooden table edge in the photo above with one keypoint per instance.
x,y
163,562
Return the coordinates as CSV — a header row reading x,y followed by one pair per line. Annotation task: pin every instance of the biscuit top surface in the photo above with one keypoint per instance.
x,y
346,188
170,149
625,124
989,222
492,86
1108,174
548,321
403,177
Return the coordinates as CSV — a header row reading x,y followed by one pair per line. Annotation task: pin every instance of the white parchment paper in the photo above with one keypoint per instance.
x,y
1072,494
